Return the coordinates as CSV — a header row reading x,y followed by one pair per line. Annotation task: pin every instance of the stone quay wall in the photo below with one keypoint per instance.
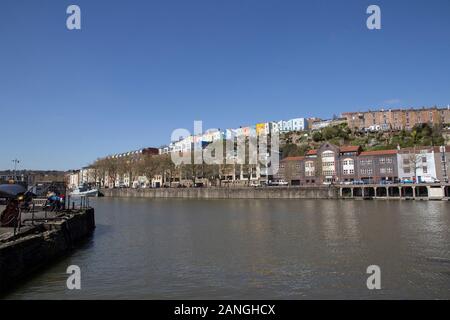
x,y
24,255
319,192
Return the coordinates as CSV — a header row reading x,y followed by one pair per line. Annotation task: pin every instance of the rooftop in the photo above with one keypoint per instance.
x,y
397,110
293,159
349,148
378,152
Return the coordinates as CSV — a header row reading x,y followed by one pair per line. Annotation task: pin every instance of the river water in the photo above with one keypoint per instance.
x,y
256,249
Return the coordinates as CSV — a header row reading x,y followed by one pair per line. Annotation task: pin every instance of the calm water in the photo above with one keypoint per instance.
x,y
245,249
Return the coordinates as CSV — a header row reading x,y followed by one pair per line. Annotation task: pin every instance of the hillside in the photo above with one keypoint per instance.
x,y
298,143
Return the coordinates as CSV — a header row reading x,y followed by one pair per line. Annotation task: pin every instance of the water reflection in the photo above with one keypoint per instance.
x,y
243,249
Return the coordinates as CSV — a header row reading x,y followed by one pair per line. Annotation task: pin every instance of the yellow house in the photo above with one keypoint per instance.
x,y
260,128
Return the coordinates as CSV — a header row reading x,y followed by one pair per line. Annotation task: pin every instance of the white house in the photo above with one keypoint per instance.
x,y
74,179
417,164
299,124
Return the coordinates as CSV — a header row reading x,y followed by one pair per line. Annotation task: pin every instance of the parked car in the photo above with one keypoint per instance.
x,y
255,183
283,183
358,182
407,181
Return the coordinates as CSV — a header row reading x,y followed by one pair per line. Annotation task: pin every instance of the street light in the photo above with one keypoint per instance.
x,y
15,161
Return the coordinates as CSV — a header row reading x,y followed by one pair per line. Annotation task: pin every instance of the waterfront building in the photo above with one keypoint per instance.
x,y
379,166
291,170
310,167
330,164
73,179
442,163
328,155
157,181
348,163
417,164
397,119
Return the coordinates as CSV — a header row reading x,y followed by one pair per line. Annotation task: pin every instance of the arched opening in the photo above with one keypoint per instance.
x,y
369,192
381,192
357,192
421,191
447,191
393,192
346,192
407,192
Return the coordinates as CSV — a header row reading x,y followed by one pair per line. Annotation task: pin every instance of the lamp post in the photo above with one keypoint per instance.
x,y
15,161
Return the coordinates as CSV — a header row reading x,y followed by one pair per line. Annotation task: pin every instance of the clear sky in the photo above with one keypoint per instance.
x,y
139,69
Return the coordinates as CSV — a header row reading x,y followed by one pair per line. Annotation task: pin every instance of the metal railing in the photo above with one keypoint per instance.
x,y
43,205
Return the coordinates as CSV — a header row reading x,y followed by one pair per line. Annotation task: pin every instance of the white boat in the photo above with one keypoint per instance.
x,y
84,191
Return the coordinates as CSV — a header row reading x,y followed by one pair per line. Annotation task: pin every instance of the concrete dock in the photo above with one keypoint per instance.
x,y
422,191
336,191
313,192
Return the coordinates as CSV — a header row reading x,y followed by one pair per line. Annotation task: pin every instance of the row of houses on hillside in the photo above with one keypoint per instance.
x,y
397,119
185,144
331,164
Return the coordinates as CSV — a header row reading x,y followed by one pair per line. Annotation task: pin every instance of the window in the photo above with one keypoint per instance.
x,y
425,169
309,164
382,160
365,162
348,171
348,162
406,162
424,159
407,170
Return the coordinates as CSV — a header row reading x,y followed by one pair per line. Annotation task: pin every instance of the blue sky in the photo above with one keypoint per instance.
x,y
139,69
